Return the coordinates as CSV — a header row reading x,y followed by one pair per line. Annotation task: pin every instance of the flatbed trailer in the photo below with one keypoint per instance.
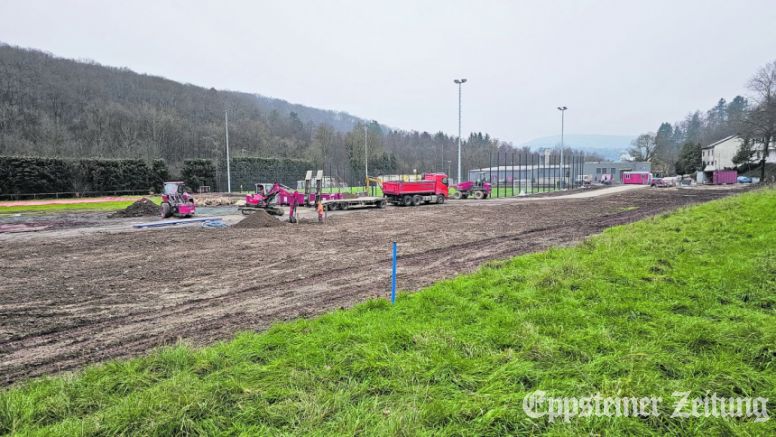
x,y
341,204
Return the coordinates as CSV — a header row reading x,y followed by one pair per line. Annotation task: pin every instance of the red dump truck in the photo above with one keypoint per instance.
x,y
432,189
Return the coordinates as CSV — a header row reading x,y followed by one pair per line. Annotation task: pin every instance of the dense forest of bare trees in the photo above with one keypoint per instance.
x,y
54,107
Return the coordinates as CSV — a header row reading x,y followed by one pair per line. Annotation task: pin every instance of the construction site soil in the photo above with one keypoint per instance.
x,y
139,208
69,300
259,219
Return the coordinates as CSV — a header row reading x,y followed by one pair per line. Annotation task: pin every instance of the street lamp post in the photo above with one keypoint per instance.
x,y
562,110
366,159
459,82
228,164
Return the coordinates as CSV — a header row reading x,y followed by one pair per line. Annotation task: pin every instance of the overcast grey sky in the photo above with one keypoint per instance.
x,y
621,67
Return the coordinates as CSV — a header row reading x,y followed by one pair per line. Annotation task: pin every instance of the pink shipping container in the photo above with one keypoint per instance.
x,y
724,177
637,178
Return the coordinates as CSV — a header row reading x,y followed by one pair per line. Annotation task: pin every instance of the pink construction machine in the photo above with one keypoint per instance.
x,y
263,199
176,201
478,190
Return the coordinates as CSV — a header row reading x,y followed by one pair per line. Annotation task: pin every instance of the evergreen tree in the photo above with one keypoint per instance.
x,y
665,149
690,158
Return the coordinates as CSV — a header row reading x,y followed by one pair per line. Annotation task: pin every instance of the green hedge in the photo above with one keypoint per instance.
x,y
198,172
24,175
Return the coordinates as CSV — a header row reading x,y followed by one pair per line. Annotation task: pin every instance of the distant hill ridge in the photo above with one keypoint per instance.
x,y
608,146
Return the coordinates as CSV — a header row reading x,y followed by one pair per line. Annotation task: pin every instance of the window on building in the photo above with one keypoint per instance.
x,y
598,170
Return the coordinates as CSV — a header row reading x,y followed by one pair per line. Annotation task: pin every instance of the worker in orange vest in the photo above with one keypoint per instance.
x,y
319,208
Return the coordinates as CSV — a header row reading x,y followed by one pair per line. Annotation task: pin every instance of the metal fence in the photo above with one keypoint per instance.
x,y
511,173
523,172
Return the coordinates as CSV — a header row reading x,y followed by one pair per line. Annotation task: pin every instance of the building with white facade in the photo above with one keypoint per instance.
x,y
719,155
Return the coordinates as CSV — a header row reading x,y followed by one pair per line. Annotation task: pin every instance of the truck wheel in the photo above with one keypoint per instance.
x,y
417,200
166,210
406,200
479,195
440,199
458,195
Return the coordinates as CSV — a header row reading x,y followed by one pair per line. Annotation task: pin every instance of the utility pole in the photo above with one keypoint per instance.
x,y
366,158
562,110
459,82
228,164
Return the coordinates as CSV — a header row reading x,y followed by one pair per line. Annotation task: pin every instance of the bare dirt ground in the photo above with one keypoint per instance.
x,y
73,298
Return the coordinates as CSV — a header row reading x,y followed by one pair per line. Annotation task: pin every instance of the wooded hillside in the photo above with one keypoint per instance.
x,y
54,107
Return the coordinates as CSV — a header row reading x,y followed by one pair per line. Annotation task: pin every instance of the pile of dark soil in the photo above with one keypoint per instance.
x,y
140,208
259,219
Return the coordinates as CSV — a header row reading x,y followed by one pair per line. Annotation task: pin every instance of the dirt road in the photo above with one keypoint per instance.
x,y
73,299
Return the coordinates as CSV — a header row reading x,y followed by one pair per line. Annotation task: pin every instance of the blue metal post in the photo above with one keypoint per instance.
x,y
393,276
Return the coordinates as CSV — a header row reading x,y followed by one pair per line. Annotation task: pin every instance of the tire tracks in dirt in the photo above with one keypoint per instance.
x,y
302,289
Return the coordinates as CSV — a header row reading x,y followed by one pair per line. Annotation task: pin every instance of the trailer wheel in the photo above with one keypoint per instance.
x,y
457,195
479,195
406,200
440,199
417,200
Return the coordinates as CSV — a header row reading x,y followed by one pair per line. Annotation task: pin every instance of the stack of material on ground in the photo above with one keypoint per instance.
x,y
139,208
259,219
217,201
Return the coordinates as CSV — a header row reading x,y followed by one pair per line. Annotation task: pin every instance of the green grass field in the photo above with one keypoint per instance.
x,y
73,207
683,302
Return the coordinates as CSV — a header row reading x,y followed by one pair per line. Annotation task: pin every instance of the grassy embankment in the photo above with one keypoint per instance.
x,y
684,302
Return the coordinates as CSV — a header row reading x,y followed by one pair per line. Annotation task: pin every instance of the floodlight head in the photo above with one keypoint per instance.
x,y
459,81
562,108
